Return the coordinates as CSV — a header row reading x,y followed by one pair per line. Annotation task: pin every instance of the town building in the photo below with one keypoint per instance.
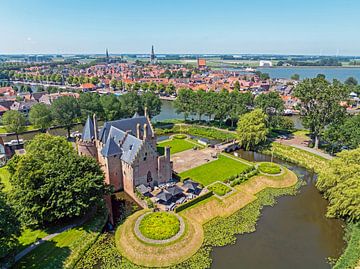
x,y
201,63
126,152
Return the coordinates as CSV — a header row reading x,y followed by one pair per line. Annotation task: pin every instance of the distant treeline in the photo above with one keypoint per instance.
x,y
322,62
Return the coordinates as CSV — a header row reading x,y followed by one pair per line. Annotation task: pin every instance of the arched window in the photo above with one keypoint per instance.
x,y
149,177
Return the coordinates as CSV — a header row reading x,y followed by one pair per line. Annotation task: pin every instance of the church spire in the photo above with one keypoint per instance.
x,y
107,55
152,56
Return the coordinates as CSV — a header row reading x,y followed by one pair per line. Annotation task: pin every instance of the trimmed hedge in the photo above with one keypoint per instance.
x,y
193,201
244,177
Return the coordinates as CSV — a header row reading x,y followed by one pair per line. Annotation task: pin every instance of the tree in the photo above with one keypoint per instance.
x,y
295,77
183,102
65,111
95,80
252,129
9,228
14,122
90,104
152,103
320,104
272,104
52,183
239,103
344,135
40,116
340,183
131,103
111,107
351,81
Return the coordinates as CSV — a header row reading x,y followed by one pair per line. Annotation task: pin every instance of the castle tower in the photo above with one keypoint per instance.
x,y
87,143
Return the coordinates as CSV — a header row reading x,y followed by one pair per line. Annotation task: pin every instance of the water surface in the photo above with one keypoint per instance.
x,y
293,234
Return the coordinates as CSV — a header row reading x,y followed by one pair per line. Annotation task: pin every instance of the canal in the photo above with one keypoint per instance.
x,y
293,234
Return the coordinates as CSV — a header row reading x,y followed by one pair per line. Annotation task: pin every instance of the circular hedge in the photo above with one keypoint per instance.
x,y
159,225
180,136
269,168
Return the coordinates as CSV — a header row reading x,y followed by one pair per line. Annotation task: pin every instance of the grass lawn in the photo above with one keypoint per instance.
x,y
218,170
159,225
5,179
219,188
64,250
176,145
269,168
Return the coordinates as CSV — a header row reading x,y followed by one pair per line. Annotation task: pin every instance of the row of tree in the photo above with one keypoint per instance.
x,y
67,111
225,105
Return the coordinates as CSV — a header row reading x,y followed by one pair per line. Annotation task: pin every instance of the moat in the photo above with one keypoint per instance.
x,y
293,234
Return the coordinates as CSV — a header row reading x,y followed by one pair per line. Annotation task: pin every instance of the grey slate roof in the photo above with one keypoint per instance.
x,y
128,124
190,185
175,190
88,133
130,147
110,148
164,196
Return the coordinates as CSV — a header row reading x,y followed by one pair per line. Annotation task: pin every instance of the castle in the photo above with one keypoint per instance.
x,y
126,152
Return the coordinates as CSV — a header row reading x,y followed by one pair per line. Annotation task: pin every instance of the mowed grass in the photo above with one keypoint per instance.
x,y
176,145
218,170
5,179
159,225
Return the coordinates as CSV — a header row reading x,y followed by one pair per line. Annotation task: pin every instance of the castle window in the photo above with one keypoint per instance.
x,y
149,177
145,156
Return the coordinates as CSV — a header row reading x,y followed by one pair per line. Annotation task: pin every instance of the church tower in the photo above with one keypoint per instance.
x,y
107,56
152,55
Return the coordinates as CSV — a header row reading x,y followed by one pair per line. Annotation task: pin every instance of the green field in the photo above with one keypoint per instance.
x,y
218,170
159,225
176,145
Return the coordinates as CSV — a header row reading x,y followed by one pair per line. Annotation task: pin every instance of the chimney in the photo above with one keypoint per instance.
x,y
95,127
167,152
145,112
138,130
145,131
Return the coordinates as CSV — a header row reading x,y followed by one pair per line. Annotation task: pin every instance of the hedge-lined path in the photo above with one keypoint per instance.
x,y
151,255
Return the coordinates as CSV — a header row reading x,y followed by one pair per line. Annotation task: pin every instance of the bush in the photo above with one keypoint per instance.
x,y
269,168
193,201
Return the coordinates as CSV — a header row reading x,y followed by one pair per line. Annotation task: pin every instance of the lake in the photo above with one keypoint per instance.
x,y
340,73
293,234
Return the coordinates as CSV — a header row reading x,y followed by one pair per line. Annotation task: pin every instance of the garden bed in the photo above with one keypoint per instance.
x,y
219,188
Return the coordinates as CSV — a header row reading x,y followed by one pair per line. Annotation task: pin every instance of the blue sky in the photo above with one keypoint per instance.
x,y
180,26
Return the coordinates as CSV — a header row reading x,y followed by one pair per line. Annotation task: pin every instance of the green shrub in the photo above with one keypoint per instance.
x,y
351,255
269,168
193,201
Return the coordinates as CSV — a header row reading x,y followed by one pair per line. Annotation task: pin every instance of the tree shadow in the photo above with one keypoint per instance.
x,y
48,255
